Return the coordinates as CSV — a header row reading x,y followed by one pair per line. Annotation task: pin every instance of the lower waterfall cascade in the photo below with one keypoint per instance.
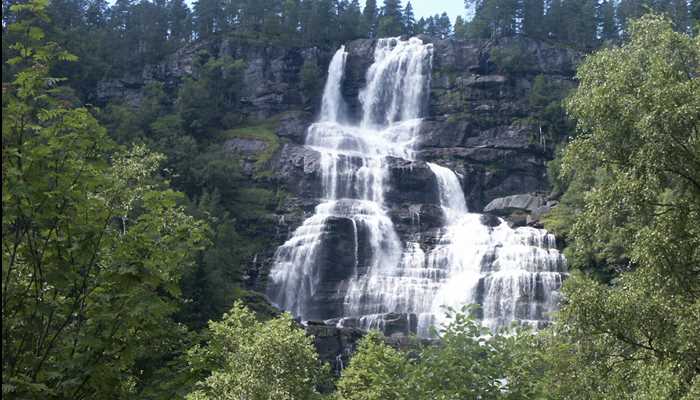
x,y
514,274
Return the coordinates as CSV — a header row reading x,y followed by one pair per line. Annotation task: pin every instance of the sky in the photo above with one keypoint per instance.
x,y
426,8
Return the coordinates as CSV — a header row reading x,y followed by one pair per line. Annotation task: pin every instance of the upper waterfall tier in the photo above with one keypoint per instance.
x,y
397,82
332,103
348,262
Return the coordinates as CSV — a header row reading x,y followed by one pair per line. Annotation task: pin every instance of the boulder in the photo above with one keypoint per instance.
x,y
520,202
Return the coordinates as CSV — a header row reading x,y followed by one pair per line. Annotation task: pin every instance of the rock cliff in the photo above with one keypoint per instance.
x,y
479,124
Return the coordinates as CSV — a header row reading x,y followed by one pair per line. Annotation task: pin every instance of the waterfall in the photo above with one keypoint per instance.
x,y
353,174
514,274
379,277
332,104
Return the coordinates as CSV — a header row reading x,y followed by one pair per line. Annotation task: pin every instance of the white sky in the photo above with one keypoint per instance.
x,y
426,8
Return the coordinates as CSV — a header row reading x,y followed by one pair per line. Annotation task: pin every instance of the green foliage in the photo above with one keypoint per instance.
x,y
634,166
376,372
390,19
464,363
249,359
545,101
641,141
582,24
94,243
310,78
209,99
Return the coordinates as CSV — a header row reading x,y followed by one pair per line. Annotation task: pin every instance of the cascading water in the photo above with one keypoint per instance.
x,y
513,274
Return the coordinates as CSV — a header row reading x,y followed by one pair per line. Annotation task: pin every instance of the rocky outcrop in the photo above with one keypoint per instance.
x,y
297,168
478,114
521,209
519,202
410,182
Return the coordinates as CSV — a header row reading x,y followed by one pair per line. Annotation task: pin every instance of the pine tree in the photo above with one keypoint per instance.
x,y
96,13
409,20
325,18
420,26
628,10
119,15
493,18
390,21
350,18
460,28
291,13
554,20
695,16
533,18
606,18
580,17
444,25
677,10
370,16
206,13
271,19
180,21
431,26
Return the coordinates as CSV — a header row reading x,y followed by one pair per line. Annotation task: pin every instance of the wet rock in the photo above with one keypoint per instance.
x,y
335,263
398,324
410,182
490,220
360,57
416,218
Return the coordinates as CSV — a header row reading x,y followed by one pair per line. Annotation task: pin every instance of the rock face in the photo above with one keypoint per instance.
x,y
478,125
479,111
271,79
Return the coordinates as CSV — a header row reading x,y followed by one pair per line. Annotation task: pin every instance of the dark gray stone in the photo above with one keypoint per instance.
x,y
519,202
292,125
490,220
